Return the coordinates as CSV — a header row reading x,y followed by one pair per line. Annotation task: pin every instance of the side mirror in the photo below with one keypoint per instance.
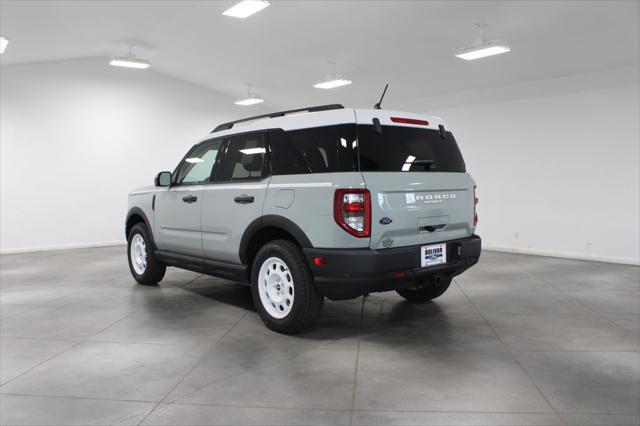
x,y
163,179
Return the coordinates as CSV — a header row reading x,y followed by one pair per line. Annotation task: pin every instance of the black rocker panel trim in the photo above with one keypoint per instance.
x,y
271,220
215,268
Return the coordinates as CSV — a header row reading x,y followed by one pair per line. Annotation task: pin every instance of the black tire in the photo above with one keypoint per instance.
x,y
426,292
307,302
154,271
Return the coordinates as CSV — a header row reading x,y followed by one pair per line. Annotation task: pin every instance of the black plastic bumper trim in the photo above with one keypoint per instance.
x,y
350,273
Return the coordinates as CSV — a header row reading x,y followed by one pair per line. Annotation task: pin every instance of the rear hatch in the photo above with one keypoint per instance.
x,y
420,191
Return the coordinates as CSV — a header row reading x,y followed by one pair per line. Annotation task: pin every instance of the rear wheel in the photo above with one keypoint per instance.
x,y
425,292
143,264
282,287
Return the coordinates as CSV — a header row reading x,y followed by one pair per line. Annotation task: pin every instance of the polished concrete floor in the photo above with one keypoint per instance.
x,y
518,340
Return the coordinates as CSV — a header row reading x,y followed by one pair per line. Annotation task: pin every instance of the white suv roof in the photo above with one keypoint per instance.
x,y
324,116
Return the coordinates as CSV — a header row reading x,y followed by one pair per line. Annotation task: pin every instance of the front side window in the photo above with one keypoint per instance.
x,y
244,158
198,167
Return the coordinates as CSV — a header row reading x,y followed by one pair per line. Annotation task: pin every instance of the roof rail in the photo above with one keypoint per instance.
x,y
230,124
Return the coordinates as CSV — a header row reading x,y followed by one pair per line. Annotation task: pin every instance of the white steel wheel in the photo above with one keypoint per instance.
x,y
138,254
275,286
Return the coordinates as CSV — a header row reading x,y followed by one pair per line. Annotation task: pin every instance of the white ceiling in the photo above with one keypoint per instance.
x,y
284,49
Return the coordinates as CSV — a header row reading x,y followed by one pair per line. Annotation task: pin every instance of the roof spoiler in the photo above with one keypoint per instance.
x,y
230,124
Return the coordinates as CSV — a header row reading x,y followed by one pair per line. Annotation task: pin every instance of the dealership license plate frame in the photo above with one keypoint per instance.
x,y
440,259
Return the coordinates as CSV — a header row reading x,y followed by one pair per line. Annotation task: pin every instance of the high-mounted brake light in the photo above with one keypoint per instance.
x,y
352,211
409,121
475,203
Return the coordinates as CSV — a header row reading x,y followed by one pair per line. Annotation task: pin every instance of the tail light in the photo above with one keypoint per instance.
x,y
352,211
475,203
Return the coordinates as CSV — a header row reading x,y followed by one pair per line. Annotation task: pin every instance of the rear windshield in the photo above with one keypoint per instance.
x,y
408,149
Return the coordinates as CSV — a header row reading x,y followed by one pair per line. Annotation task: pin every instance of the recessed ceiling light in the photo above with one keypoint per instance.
x,y
246,8
129,61
3,44
481,48
332,83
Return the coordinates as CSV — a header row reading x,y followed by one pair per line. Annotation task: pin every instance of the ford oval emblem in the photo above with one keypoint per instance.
x,y
385,221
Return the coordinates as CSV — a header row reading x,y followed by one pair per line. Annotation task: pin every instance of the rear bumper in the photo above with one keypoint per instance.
x,y
351,273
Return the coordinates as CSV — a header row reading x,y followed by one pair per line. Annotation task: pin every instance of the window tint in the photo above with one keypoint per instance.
x,y
244,158
285,158
198,165
316,150
408,149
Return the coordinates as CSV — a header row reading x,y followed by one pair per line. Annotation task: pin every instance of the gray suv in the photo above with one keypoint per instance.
x,y
312,203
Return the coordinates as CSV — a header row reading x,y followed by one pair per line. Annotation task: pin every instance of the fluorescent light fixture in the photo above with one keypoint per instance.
x,y
332,83
3,44
483,50
251,151
246,8
249,100
194,160
130,62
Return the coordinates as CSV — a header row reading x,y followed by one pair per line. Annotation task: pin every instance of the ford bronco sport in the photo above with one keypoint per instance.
x,y
312,203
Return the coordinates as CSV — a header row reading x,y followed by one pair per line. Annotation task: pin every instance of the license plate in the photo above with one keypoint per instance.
x,y
435,254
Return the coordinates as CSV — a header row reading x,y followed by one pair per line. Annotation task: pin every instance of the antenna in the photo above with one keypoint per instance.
x,y
379,104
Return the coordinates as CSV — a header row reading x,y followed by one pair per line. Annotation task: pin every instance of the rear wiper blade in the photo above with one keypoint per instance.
x,y
428,164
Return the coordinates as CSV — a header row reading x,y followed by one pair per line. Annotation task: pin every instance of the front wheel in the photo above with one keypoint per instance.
x,y
143,264
282,287
426,292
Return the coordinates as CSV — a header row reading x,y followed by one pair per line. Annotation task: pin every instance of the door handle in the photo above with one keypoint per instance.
x,y
244,199
190,199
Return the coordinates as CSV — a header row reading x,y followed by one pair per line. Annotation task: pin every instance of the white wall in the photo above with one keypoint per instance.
x,y
558,172
556,162
76,136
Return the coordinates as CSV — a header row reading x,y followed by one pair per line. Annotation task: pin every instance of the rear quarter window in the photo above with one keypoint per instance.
x,y
327,149
408,149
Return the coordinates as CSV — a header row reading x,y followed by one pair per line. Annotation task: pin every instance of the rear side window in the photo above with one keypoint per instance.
x,y
285,158
243,158
325,149
408,149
